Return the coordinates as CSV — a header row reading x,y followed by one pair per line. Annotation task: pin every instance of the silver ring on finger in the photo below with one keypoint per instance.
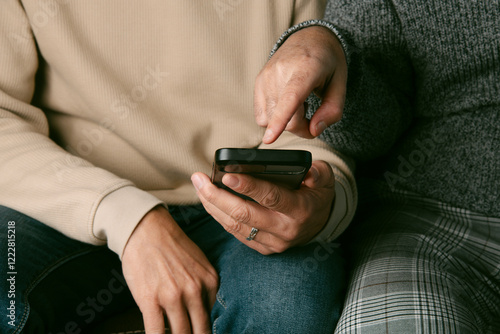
x,y
253,233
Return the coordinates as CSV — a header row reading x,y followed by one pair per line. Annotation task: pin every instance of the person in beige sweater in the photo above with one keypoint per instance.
x,y
110,113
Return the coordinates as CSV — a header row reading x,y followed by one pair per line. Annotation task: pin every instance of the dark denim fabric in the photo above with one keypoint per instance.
x,y
61,285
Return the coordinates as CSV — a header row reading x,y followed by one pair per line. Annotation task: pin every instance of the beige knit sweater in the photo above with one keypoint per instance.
x,y
108,107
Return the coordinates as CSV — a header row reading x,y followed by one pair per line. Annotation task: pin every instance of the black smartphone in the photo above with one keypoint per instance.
x,y
286,168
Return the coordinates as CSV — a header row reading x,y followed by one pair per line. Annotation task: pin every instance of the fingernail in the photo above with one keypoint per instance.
x,y
198,181
230,181
268,135
320,127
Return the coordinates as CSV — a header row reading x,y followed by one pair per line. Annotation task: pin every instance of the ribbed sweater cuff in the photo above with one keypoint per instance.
x,y
119,213
337,222
311,23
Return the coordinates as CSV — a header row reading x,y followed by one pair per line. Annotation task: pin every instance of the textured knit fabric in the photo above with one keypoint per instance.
x,y
423,96
422,118
430,69
421,266
65,286
135,98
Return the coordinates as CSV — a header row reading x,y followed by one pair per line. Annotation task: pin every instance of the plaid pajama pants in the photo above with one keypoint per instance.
x,y
420,266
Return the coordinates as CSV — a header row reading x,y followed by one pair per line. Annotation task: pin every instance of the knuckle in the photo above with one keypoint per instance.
x,y
232,227
212,287
260,116
241,214
290,235
249,188
291,97
212,280
209,195
266,252
147,303
173,296
280,247
272,199
262,122
193,288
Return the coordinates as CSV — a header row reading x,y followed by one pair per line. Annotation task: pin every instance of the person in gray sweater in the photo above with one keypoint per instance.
x,y
417,84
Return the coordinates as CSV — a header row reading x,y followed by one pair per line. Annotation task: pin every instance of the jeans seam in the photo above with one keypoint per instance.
x,y
221,301
214,330
223,304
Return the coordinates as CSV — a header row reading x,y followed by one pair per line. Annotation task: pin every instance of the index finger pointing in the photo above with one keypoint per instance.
x,y
290,100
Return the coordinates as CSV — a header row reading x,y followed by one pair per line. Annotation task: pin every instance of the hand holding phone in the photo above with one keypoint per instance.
x,y
286,168
284,218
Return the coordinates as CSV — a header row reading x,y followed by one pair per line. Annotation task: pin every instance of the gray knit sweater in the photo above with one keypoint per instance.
x,y
423,100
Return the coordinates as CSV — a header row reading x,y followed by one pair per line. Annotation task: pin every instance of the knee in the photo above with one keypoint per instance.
x,y
277,311
297,310
283,293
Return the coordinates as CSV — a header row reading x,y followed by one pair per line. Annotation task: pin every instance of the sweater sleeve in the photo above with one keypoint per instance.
x,y
379,89
39,178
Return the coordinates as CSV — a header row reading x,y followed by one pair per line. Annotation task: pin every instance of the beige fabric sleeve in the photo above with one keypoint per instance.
x,y
37,177
307,9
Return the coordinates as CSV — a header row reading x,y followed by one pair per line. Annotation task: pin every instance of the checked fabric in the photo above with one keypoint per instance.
x,y
420,266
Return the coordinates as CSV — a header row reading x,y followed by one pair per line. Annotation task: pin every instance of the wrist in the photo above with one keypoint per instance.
x,y
157,226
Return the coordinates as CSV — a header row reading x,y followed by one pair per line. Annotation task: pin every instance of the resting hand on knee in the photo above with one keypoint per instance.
x,y
168,274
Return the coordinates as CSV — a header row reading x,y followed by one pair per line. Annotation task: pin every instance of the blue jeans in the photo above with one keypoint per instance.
x,y
53,284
